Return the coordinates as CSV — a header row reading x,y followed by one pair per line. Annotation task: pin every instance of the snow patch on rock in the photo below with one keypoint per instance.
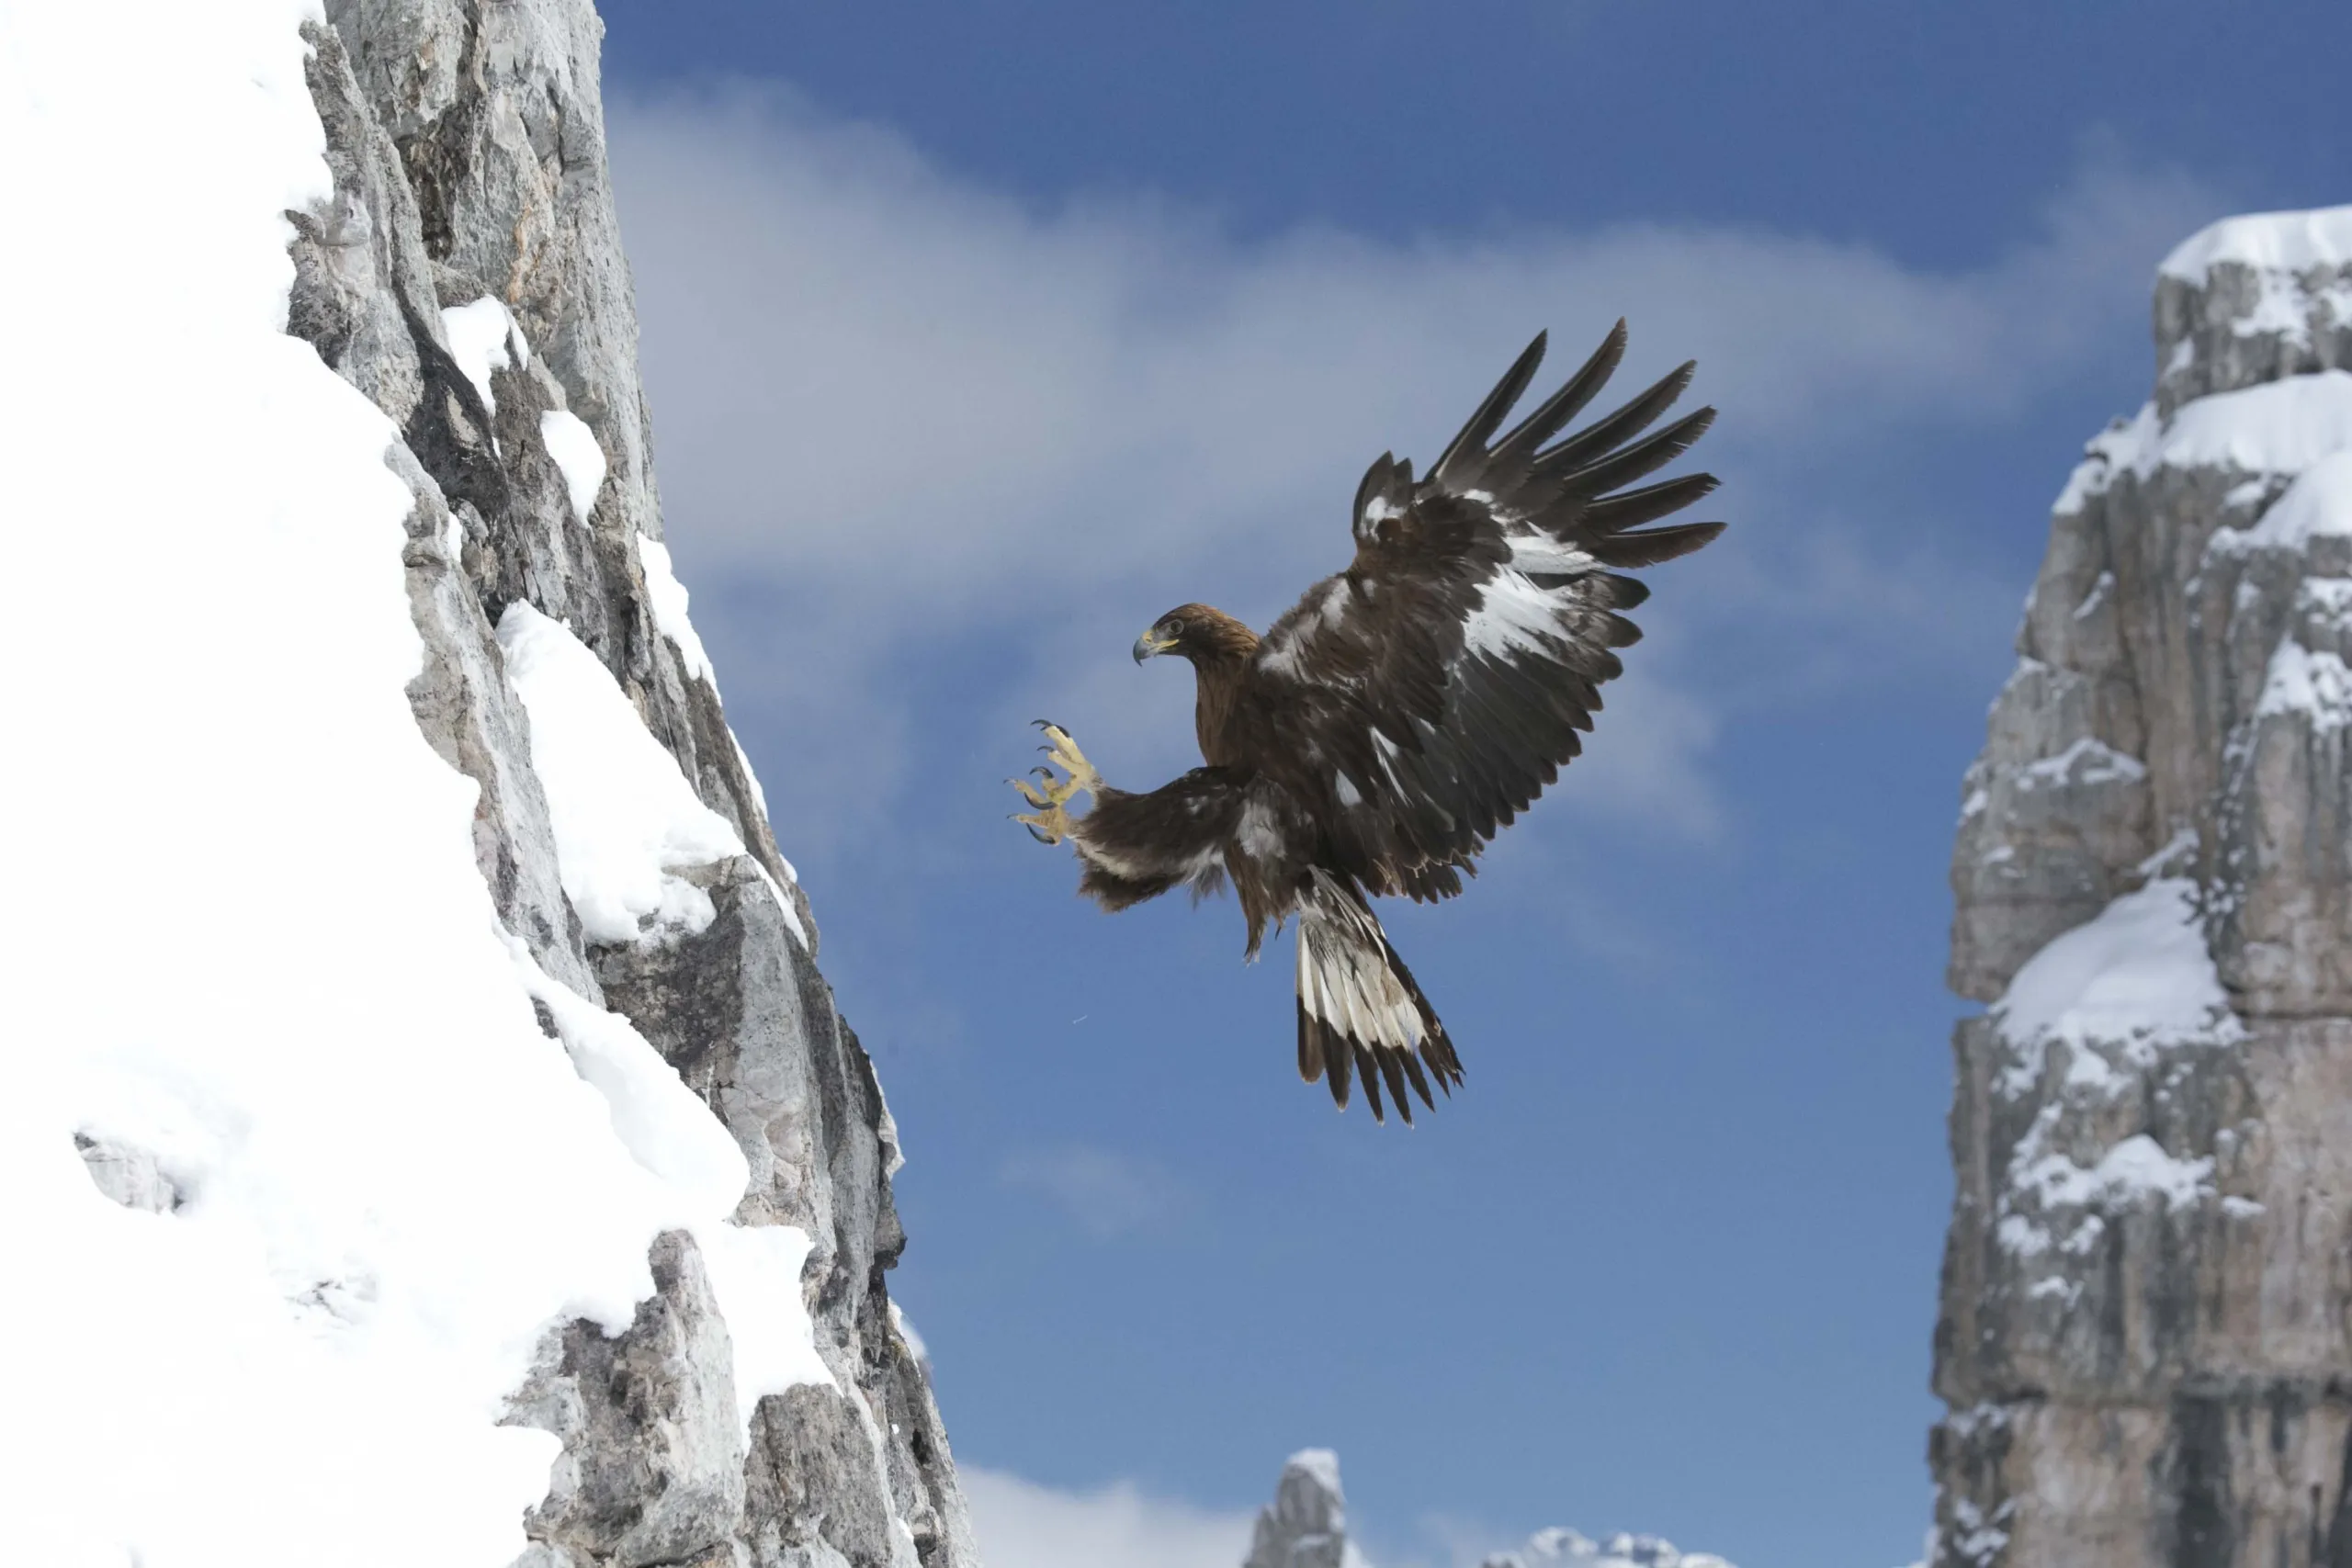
x,y
574,447
483,337
2135,1168
2316,686
626,820
668,597
2277,427
2317,504
2086,762
2137,974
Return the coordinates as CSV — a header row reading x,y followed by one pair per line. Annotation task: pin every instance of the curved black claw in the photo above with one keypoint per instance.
x,y
1036,835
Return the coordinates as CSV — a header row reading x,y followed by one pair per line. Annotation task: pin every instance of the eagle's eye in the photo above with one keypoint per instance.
x,y
1175,627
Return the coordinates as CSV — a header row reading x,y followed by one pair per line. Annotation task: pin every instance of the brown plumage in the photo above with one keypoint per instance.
x,y
1406,710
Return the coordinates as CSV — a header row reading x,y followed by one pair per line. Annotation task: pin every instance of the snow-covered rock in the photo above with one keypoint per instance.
x,y
2146,1321
2254,300
431,1140
1568,1549
1306,1524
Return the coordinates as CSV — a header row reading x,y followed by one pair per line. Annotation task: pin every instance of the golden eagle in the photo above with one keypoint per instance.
x,y
1404,711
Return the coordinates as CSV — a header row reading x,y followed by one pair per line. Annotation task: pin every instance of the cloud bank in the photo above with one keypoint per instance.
x,y
1023,1525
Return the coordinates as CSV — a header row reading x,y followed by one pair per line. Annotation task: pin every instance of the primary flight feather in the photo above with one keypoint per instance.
x,y
1381,733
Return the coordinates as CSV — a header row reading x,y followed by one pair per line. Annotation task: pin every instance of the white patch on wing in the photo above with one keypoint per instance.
x,y
1349,794
1512,617
1257,835
1280,657
1280,654
1534,551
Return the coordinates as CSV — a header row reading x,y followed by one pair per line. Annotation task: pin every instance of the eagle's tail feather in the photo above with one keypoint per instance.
x,y
1360,1013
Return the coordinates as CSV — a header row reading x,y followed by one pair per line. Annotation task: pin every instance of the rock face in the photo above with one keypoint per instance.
x,y
468,277
1306,1524
2145,1339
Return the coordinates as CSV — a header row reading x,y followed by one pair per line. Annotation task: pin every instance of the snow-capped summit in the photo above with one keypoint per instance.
x,y
2252,299
2268,242
1306,1524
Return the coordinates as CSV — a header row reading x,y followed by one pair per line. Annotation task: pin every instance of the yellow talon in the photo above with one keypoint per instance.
x,y
1063,752
1049,824
1048,827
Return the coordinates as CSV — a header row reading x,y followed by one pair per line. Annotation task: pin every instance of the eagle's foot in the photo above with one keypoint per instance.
x,y
1062,751
1049,824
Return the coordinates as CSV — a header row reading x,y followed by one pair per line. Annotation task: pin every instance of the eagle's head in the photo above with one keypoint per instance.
x,y
1199,633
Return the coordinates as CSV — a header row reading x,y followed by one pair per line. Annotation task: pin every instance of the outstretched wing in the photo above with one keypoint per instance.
x,y
1427,694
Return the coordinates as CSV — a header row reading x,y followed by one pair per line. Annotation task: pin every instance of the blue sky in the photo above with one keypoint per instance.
x,y
977,337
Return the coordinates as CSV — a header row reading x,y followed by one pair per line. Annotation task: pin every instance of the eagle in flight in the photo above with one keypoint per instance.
x,y
1404,711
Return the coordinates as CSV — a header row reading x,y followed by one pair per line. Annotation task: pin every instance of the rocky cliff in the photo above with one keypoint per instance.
x,y
1306,1524
2146,1338
466,144
366,1236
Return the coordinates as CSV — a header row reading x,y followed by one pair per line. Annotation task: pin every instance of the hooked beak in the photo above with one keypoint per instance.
x,y
1147,645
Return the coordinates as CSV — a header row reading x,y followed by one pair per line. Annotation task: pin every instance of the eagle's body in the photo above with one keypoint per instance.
x,y
1404,710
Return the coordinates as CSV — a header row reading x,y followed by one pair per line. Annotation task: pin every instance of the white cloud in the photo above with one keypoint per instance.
x,y
1023,1525
1109,1194
909,415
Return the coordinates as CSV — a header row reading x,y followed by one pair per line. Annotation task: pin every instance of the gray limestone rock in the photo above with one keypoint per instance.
x,y
819,1483
465,143
652,1467
1306,1524
2146,1338
2235,321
